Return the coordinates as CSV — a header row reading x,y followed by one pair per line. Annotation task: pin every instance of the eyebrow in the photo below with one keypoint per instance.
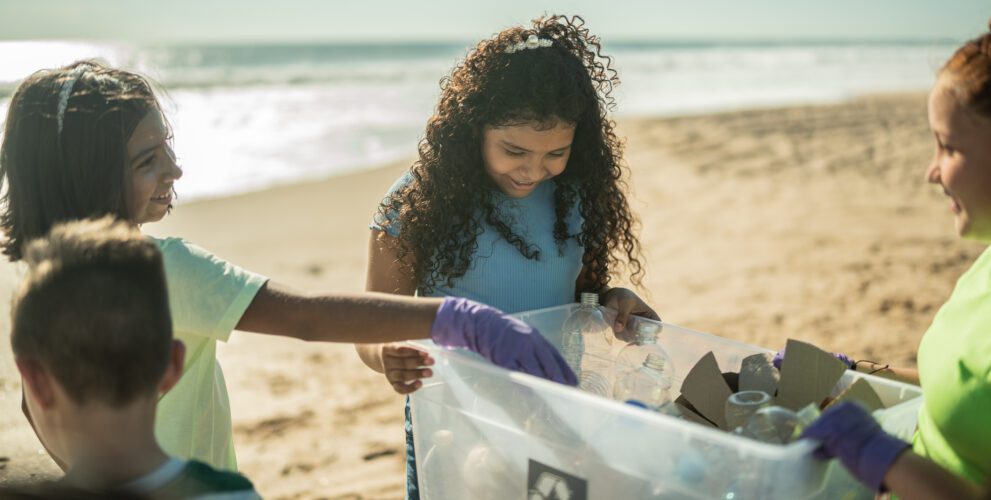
x,y
514,146
141,154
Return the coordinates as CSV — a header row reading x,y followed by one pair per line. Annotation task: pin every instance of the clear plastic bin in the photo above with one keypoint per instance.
x,y
482,432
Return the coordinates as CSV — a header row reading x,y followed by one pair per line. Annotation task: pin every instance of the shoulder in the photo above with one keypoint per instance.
x,y
182,258
178,249
404,180
199,480
389,221
191,268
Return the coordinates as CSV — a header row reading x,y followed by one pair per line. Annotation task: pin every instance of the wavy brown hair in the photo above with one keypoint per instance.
x,y
49,176
442,210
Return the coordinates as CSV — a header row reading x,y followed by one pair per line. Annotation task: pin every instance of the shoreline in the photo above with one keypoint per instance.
x,y
632,118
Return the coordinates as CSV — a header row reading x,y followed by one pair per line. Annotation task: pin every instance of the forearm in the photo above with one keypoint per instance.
x,y
351,318
900,374
915,477
365,318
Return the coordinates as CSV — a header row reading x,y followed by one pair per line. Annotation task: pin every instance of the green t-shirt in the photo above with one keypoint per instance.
x,y
190,480
955,374
207,297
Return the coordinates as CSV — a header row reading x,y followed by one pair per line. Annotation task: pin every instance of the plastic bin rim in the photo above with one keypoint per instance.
x,y
795,449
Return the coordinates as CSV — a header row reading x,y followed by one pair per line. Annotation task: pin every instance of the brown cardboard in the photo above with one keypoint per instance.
x,y
691,416
757,373
732,381
808,375
706,390
861,392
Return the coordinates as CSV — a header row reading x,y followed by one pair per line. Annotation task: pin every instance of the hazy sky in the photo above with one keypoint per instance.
x,y
369,20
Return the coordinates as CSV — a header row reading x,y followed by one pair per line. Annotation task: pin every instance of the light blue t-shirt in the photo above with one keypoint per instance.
x,y
499,275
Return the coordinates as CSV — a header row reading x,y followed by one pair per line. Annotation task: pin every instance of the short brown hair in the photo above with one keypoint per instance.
x,y
93,310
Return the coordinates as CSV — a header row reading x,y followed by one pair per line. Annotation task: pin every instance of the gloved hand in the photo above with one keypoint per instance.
x,y
780,356
848,432
499,338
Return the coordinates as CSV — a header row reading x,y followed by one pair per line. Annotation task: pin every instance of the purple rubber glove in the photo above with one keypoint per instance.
x,y
849,433
780,356
499,338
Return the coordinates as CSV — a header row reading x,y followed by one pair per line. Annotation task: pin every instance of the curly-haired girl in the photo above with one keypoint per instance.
x,y
517,198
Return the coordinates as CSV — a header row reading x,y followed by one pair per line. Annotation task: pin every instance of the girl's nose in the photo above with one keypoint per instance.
x,y
173,170
932,172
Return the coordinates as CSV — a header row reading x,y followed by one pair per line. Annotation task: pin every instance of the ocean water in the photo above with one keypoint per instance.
x,y
250,116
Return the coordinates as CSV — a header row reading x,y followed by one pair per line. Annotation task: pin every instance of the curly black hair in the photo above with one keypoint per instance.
x,y
442,209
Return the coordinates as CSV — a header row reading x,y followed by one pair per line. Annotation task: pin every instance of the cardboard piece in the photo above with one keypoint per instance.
x,y
707,391
861,392
691,415
732,380
757,373
808,375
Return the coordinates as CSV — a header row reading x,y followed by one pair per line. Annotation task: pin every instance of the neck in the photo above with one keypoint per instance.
x,y
108,446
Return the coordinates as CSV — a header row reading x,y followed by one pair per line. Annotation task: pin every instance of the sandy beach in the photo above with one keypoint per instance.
x,y
809,222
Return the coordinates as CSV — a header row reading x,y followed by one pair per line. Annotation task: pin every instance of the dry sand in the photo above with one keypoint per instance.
x,y
806,222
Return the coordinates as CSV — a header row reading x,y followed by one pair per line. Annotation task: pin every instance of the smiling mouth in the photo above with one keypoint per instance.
x,y
165,198
522,185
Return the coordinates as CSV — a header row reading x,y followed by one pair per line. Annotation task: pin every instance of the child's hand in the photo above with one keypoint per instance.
x,y
625,302
403,366
848,432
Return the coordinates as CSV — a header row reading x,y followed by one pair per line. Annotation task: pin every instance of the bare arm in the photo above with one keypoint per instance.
x,y
367,317
916,477
906,375
384,275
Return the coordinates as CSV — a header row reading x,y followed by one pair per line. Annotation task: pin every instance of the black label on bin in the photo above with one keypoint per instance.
x,y
547,483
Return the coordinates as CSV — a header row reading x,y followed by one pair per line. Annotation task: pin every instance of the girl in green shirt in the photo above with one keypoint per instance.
x,y
950,456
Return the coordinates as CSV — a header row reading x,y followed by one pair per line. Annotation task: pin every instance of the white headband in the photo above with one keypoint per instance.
x,y
532,42
63,96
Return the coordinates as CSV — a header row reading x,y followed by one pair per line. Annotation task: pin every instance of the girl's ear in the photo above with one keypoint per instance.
x,y
38,382
173,372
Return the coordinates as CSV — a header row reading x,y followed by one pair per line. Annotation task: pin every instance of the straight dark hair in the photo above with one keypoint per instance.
x,y
49,175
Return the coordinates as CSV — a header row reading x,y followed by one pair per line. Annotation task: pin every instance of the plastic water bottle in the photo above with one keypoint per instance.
x,y
441,468
633,355
778,425
572,348
774,424
586,341
650,384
